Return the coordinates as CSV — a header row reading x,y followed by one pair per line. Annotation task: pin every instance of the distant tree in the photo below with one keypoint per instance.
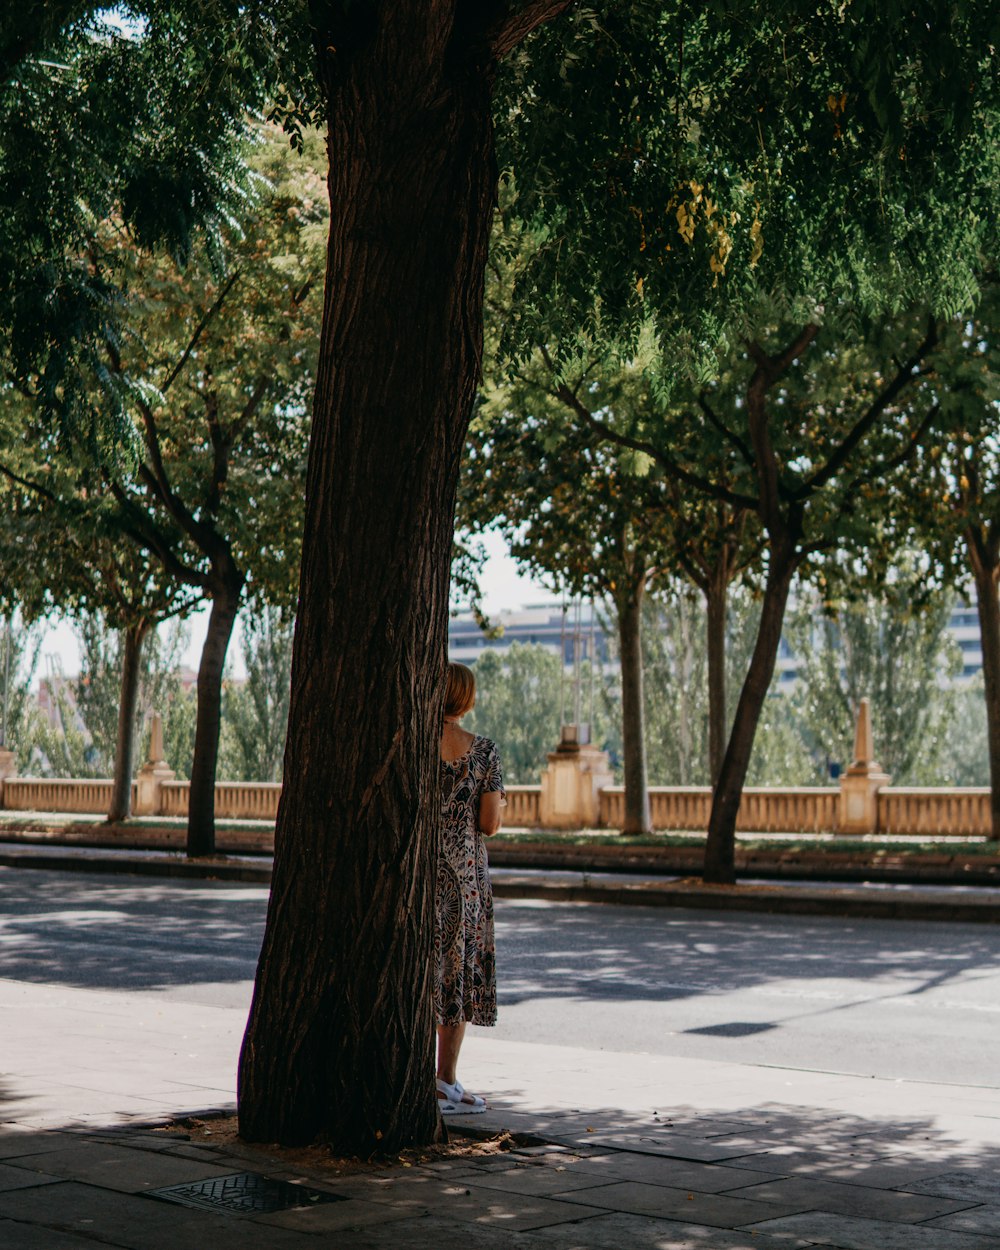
x,y
585,517
676,690
518,694
517,705
892,648
965,759
20,649
255,711
85,740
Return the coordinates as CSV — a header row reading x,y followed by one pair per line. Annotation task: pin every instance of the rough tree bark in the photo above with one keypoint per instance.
x,y
133,636
226,590
340,1037
984,558
637,816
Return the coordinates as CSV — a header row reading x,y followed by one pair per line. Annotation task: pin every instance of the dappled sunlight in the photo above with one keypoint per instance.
x,y
562,948
113,933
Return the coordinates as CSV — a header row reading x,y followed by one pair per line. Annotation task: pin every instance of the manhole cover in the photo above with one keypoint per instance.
x,y
246,1193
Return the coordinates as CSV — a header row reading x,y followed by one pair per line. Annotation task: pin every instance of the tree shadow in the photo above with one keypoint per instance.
x,y
609,954
122,933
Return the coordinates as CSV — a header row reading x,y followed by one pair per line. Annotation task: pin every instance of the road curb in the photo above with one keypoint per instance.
x,y
880,903
152,865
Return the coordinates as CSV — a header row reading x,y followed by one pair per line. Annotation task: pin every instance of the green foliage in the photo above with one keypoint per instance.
x,y
517,705
83,738
675,689
255,712
900,658
965,757
20,648
681,165
134,115
179,728
519,691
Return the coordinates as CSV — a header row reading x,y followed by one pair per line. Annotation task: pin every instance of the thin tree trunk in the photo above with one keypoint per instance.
x,y
201,796
133,636
716,601
637,818
986,572
341,1030
720,846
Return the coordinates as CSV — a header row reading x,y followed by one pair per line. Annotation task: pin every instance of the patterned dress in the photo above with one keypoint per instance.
x,y
464,946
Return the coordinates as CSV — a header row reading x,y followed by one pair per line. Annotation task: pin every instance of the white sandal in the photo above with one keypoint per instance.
x,y
457,1102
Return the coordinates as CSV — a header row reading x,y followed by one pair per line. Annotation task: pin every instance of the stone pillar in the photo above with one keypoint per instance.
x,y
8,768
572,783
860,785
153,773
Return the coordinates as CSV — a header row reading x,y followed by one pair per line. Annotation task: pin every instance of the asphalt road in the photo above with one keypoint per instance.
x,y
884,998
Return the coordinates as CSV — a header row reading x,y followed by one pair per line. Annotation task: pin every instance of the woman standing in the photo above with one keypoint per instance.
x,y
472,796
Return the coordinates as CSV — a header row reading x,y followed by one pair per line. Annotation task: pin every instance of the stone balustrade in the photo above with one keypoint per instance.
x,y
58,794
804,809
908,811
235,800
923,811
523,806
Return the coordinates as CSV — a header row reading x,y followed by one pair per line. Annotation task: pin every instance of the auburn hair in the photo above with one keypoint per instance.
x,y
460,693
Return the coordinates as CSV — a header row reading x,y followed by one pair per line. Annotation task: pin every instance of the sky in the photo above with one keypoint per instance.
x,y
503,589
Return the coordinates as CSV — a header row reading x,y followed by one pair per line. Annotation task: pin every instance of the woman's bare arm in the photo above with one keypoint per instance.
x,y
491,807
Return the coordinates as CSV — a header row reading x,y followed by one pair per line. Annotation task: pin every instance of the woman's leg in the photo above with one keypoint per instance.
x,y
449,1044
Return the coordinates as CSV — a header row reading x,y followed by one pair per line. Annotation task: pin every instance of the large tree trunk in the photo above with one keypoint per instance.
x,y
340,1038
720,846
201,796
121,789
716,601
637,818
986,572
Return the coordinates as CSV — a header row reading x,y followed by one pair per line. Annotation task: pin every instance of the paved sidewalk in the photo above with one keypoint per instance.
x,y
642,1151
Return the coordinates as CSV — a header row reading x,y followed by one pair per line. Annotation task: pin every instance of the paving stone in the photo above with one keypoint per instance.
x,y
984,1219
353,1215
118,1167
136,1222
849,1233
31,1237
23,1178
462,1200
841,1198
884,1171
978,1186
708,1178
641,1232
681,1146
688,1206
538,1179
17,1144
429,1232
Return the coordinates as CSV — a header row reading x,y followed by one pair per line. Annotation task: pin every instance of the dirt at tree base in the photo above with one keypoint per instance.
x,y
464,1143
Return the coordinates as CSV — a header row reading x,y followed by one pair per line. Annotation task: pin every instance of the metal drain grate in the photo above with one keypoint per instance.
x,y
245,1193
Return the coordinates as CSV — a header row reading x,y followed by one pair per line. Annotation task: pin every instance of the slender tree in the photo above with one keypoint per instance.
x,y
589,519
